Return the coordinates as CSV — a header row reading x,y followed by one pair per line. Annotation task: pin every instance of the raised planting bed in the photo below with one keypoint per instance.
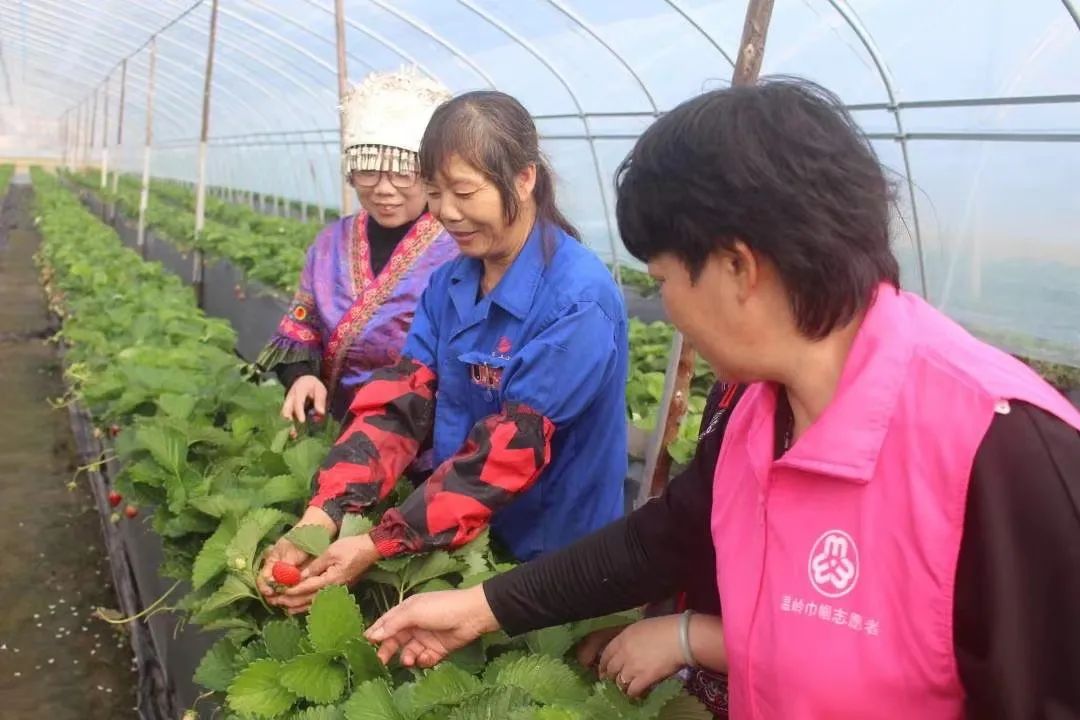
x,y
202,453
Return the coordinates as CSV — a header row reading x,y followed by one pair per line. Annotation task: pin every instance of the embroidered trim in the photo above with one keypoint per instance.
x,y
375,290
297,331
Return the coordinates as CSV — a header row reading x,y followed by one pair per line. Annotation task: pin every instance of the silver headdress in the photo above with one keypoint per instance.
x,y
384,118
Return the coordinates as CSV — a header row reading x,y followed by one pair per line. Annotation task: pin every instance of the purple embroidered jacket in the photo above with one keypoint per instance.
x,y
345,320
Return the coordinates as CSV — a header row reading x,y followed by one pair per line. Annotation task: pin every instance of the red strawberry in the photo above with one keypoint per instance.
x,y
131,511
292,434
286,574
114,430
115,498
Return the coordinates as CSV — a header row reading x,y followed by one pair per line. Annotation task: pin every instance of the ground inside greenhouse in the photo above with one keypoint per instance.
x,y
57,660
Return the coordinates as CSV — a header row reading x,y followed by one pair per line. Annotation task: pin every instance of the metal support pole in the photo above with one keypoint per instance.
x,y
76,140
105,137
144,191
680,369
120,125
343,87
88,134
63,139
200,189
319,198
93,128
73,140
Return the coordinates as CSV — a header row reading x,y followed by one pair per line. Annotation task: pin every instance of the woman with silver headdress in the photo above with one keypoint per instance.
x,y
364,272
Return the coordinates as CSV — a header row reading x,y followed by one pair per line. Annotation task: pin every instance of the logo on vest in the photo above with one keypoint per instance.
x,y
834,564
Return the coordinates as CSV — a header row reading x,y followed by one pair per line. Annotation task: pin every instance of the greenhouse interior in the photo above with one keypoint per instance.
x,y
195,329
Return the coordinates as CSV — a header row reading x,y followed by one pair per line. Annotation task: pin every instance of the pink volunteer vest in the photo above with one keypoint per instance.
x,y
836,564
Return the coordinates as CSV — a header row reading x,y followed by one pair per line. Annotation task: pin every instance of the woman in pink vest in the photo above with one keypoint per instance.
x,y
895,508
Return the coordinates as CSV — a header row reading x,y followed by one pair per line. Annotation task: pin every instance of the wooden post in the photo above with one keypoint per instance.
x,y
681,365
200,188
105,136
144,191
343,87
120,124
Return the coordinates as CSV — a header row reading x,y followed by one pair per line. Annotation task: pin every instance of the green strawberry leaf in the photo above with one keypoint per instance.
x,y
232,590
481,544
364,662
545,678
354,524
211,558
551,712
334,619
491,704
446,684
372,701
553,641
434,586
475,563
304,457
165,445
253,528
659,697
240,629
684,707
320,712
429,567
470,658
284,489
177,406
216,670
608,701
256,691
316,677
219,506
493,668
282,638
281,439
312,539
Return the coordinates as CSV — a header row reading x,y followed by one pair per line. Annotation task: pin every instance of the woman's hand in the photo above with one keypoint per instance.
x,y
425,628
306,387
281,551
284,551
589,649
643,654
342,564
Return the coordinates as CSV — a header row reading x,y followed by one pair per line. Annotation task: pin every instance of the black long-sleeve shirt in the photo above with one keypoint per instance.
x,y
1017,594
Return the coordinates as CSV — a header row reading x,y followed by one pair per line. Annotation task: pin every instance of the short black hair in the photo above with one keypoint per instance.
x,y
781,166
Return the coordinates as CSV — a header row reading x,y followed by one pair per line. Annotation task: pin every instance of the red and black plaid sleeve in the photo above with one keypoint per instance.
x,y
502,458
392,415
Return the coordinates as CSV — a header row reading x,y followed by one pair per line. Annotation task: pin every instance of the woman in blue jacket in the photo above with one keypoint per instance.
x,y
514,369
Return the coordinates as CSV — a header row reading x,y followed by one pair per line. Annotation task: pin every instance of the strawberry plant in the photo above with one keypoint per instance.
x,y
204,451
268,249
649,347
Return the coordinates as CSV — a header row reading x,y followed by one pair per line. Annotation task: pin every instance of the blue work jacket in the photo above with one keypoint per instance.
x,y
552,336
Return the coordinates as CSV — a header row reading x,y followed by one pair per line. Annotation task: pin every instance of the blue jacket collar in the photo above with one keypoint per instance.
x,y
516,289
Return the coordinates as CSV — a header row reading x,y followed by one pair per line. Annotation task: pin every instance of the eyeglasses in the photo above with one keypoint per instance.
x,y
370,178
